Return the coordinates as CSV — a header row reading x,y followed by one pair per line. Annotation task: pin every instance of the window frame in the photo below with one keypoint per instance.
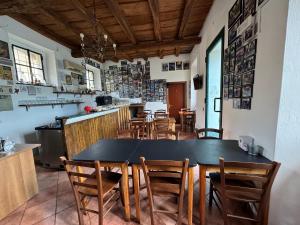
x,y
88,79
29,61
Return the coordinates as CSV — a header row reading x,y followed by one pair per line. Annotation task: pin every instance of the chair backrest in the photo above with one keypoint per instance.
x,y
139,125
205,133
166,135
245,187
159,114
128,134
161,124
142,114
77,174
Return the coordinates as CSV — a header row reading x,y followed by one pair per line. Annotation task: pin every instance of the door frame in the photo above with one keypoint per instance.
x,y
221,36
184,94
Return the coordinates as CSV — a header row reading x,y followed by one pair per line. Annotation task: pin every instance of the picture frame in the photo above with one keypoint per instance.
x,y
231,79
250,48
225,93
171,66
249,33
248,78
68,80
249,8
6,73
178,65
246,103
239,42
247,91
230,92
232,32
237,92
235,12
186,65
165,67
226,67
236,104
249,63
232,65
4,50
239,68
239,55
237,80
226,80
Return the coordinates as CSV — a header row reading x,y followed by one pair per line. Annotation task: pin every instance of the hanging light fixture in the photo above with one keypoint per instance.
x,y
98,45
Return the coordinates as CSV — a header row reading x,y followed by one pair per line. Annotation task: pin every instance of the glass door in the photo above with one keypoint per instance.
x,y
213,100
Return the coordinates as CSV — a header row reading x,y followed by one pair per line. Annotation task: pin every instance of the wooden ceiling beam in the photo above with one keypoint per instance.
x,y
185,17
118,13
89,17
154,7
177,51
41,29
161,53
147,46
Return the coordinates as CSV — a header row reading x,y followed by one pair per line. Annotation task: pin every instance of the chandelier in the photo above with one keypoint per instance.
x,y
97,45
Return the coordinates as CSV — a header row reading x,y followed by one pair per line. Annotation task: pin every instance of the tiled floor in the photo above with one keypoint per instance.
x,y
55,205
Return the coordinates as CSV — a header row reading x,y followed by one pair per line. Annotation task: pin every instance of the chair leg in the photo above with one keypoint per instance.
x,y
211,194
121,193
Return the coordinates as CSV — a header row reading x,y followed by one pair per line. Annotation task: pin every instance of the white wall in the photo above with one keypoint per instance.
x,y
19,124
285,204
157,73
261,121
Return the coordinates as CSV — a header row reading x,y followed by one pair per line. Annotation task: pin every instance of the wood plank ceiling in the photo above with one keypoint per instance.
x,y
140,28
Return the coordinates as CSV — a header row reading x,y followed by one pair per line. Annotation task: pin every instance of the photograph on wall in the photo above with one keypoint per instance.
x,y
237,80
239,42
249,63
5,73
249,7
232,32
6,103
237,92
235,12
248,78
231,79
247,91
226,62
231,58
250,48
246,103
172,66
225,93
237,103
225,80
165,67
186,65
239,56
68,79
249,33
4,50
230,92
178,65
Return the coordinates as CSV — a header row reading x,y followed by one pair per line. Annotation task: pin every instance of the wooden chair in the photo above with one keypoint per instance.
x,y
166,135
161,115
142,115
202,133
128,134
253,189
165,178
139,125
96,184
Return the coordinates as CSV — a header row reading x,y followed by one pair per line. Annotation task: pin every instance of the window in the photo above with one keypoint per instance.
x,y
29,65
90,79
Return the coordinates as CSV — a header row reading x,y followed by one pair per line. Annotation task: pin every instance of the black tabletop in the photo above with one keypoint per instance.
x,y
208,152
164,150
203,152
109,151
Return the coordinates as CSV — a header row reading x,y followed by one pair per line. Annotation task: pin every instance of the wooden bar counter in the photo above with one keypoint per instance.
x,y
83,131
18,178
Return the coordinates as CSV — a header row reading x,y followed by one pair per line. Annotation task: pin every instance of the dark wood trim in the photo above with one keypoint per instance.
x,y
154,7
185,17
121,18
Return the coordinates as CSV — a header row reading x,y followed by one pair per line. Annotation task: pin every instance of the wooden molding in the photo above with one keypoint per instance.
x,y
88,16
121,18
154,7
177,51
41,29
185,17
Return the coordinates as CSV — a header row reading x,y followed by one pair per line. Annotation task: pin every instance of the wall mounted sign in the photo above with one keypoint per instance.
x,y
5,73
6,103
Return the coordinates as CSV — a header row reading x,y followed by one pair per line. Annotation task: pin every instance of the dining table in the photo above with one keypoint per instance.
x,y
205,153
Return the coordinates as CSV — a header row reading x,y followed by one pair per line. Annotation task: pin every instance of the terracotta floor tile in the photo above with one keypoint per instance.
x,y
43,196
39,212
65,201
48,221
69,216
15,217
64,187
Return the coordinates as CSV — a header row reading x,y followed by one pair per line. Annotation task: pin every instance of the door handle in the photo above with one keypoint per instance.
x,y
215,100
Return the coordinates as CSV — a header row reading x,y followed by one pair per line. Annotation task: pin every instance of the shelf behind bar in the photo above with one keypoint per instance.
x,y
48,104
